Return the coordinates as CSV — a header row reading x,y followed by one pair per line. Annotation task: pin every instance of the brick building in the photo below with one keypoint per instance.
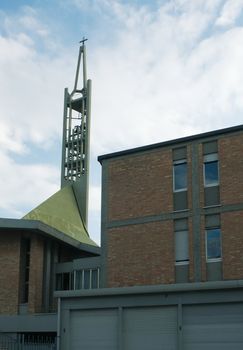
x,y
171,250
176,205
32,252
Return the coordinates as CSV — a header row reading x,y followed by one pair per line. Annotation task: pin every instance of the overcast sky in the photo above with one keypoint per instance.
x,y
160,70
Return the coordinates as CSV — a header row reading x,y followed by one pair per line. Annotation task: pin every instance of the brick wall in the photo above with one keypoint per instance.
x,y
9,276
36,274
232,244
231,169
141,254
131,180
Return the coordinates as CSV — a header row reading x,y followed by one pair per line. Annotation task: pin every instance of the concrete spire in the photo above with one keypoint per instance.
x,y
76,139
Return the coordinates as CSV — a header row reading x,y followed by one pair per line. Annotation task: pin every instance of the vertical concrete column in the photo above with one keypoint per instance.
x,y
104,220
196,219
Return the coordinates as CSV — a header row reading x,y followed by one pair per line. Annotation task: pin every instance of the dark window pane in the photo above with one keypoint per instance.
x,y
71,280
94,280
213,244
66,281
180,177
86,279
211,174
79,282
59,281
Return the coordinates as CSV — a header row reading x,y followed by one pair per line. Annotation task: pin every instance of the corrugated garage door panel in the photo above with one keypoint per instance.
x,y
150,328
93,330
213,327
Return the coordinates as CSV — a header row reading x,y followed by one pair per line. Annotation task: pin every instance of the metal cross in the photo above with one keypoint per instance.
x,y
83,40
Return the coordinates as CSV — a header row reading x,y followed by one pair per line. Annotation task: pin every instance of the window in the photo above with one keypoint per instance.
x,y
64,281
87,279
180,176
213,244
211,170
181,247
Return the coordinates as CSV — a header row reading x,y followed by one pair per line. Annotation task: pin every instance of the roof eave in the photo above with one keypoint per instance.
x,y
22,224
231,129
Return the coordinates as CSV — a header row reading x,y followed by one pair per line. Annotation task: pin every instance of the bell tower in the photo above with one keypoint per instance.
x,y
67,210
76,135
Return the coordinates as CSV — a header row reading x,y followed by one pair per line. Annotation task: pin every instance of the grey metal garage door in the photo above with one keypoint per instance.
x,y
93,330
213,327
150,328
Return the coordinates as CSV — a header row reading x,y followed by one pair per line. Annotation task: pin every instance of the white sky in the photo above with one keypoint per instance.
x,y
160,70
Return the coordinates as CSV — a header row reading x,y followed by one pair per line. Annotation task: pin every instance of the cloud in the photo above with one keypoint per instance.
x,y
172,77
159,72
231,11
31,112
32,88
25,185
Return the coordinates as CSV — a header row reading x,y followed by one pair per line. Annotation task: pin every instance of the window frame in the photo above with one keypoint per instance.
x,y
186,261
175,163
208,260
210,158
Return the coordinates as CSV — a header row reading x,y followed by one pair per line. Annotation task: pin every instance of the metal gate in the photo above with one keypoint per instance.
x,y
149,327
213,327
92,330
27,342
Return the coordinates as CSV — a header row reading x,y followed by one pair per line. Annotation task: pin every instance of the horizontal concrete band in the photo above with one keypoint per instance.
x,y
154,289
28,323
176,215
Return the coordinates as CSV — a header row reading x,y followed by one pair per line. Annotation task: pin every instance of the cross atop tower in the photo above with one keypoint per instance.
x,y
83,40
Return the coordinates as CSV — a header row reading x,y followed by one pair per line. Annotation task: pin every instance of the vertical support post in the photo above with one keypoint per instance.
x,y
64,131
120,329
77,70
179,327
58,323
196,218
84,67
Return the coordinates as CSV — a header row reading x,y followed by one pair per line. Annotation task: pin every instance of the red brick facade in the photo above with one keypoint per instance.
x,y
9,276
140,185
141,254
231,169
13,299
36,274
131,180
232,244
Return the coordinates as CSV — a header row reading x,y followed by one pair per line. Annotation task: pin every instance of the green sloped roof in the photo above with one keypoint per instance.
x,y
61,212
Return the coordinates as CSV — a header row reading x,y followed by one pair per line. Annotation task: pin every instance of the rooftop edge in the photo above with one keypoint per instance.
x,y
227,130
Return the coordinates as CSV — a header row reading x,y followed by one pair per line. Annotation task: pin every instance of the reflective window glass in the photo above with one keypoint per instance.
x,y
211,173
213,248
181,246
180,177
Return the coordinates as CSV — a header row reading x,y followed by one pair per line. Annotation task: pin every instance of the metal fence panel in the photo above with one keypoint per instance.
x,y
24,342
